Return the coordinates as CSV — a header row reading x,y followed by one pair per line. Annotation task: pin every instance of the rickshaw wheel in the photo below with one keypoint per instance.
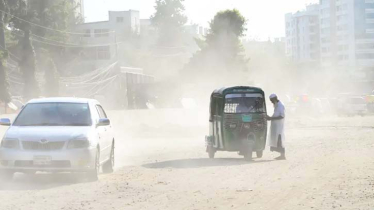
x,y
248,153
211,152
259,154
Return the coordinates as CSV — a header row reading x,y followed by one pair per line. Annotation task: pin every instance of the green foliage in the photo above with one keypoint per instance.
x,y
56,15
52,80
59,15
4,85
28,68
222,54
169,20
228,21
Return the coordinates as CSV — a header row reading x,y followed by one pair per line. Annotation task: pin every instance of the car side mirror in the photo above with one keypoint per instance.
x,y
103,122
5,122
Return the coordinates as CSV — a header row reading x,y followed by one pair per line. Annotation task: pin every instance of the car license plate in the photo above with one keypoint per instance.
x,y
42,160
247,118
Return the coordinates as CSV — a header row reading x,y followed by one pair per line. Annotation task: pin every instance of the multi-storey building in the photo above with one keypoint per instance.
x,y
104,41
344,36
302,35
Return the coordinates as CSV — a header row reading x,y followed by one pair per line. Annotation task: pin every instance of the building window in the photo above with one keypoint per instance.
x,y
343,57
342,18
120,19
342,28
325,31
87,33
366,46
325,49
325,40
371,20
341,8
101,32
312,29
343,47
365,56
370,31
368,11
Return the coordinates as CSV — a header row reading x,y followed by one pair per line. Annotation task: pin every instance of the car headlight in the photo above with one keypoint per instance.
x,y
78,144
247,126
232,125
9,143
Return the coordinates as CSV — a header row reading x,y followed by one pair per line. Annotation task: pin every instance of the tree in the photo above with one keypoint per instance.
x,y
5,5
4,85
27,62
222,53
52,81
169,21
40,26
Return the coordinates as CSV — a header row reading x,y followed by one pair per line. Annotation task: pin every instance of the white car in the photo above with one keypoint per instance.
x,y
58,135
354,106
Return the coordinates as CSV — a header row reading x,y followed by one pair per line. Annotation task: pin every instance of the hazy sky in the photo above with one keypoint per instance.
x,y
265,17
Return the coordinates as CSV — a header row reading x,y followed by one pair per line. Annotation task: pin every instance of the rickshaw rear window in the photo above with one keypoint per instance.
x,y
244,103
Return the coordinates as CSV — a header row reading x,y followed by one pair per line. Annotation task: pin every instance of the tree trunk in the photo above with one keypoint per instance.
x,y
28,67
2,32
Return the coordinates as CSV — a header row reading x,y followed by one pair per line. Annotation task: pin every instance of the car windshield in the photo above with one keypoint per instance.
x,y
55,114
244,103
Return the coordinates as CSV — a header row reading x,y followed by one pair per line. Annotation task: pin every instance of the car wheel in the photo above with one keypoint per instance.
x,y
109,165
259,154
6,175
93,175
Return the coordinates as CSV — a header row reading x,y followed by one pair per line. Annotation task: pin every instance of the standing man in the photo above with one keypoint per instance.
x,y
277,128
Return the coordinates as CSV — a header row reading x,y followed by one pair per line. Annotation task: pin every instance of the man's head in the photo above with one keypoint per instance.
x,y
274,98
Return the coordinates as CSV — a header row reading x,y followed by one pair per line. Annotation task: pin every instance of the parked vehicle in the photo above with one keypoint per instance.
x,y
353,106
58,135
237,121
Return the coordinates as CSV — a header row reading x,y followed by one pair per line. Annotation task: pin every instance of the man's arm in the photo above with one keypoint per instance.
x,y
274,118
279,113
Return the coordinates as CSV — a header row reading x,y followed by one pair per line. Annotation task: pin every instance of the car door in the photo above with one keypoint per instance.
x,y
106,134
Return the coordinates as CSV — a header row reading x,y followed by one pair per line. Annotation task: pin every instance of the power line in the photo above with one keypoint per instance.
x,y
19,59
67,45
104,87
51,29
97,75
74,46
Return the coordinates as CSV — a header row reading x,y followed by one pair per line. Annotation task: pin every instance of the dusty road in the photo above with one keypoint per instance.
x,y
161,164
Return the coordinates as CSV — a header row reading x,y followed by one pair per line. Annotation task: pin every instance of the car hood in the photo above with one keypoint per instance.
x,y
49,133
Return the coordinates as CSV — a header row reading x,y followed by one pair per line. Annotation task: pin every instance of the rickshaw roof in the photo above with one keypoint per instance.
x,y
237,89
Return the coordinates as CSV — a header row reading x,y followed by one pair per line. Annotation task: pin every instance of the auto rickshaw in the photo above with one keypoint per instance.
x,y
237,121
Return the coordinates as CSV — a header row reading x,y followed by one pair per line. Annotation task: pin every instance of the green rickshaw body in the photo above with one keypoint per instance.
x,y
237,120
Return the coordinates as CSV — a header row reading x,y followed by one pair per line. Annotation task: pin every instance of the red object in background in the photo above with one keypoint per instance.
x,y
305,98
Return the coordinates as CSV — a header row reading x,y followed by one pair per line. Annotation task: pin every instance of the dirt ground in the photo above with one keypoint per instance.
x,y
162,164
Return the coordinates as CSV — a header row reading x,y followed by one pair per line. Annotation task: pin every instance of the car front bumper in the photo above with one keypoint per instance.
x,y
75,160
